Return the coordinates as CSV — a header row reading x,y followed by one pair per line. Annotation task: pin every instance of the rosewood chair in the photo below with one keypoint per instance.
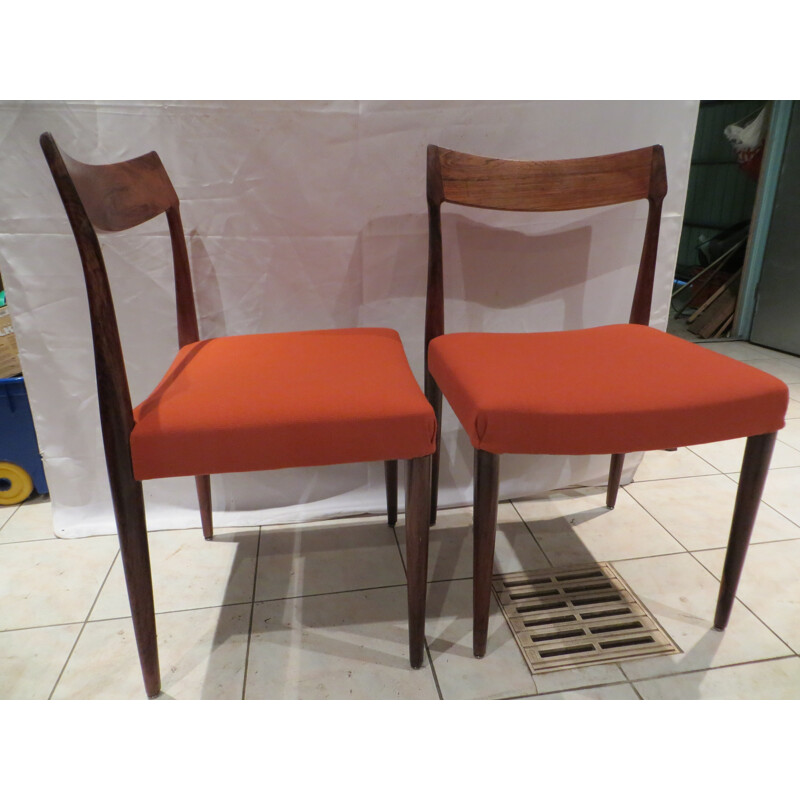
x,y
614,389
237,403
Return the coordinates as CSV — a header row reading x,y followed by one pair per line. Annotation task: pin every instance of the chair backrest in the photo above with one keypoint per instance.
x,y
116,197
568,184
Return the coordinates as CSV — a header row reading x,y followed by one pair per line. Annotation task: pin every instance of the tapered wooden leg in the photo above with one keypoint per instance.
x,y
132,530
487,474
390,467
204,499
757,455
434,395
418,496
614,475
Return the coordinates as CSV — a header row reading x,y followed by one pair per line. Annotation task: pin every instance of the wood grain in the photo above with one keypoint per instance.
x,y
546,185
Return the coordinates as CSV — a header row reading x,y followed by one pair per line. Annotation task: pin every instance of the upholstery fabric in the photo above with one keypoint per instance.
x,y
278,400
610,389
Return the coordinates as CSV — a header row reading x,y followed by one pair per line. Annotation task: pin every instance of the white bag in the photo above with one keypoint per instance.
x,y
748,133
747,139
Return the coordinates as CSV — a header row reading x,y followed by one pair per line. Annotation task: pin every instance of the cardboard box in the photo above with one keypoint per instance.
x,y
9,354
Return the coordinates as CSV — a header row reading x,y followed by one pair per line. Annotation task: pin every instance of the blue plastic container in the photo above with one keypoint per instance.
x,y
19,448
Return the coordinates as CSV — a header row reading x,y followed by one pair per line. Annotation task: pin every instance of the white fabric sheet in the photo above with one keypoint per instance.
x,y
303,215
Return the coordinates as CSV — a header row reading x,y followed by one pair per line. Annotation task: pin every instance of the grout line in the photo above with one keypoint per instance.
x,y
712,668
52,539
785,443
83,626
571,689
751,544
158,614
328,594
713,466
633,681
11,516
452,580
252,613
533,536
399,548
739,599
729,476
433,671
771,469
658,522
639,481
43,627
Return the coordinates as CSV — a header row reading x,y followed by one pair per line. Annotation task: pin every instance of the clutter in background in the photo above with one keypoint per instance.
x,y
747,139
21,469
9,354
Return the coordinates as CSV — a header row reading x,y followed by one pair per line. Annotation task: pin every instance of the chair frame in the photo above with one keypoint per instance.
x,y
116,197
500,184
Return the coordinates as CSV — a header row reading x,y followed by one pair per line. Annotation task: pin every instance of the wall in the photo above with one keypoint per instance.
x,y
312,215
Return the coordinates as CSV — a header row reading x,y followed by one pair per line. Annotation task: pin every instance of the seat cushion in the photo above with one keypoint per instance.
x,y
612,389
269,401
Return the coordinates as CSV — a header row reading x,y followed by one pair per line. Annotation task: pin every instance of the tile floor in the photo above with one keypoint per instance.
x,y
318,610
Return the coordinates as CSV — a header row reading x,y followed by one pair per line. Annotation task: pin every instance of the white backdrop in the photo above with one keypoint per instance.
x,y
305,215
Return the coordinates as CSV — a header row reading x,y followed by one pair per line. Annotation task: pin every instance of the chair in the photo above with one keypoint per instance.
x,y
613,389
237,403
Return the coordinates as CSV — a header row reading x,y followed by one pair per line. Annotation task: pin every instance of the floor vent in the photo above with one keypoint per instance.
x,y
572,618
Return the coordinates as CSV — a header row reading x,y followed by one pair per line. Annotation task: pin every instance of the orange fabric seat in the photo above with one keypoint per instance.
x,y
278,400
612,389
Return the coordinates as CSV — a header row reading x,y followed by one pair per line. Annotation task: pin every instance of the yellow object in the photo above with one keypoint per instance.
x,y
15,484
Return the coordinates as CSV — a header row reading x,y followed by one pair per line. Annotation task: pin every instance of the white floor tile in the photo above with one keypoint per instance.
x,y
698,511
727,456
450,547
501,673
787,356
621,691
764,680
680,463
575,527
793,411
202,655
585,677
52,582
781,368
6,512
32,520
31,660
741,351
189,572
790,435
769,586
782,492
682,595
352,645
310,559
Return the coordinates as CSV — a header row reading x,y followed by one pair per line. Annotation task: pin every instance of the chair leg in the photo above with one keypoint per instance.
x,y
434,395
204,499
132,532
487,473
614,475
390,467
418,494
755,465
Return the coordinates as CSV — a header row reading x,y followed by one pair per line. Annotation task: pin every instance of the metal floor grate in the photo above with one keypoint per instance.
x,y
572,618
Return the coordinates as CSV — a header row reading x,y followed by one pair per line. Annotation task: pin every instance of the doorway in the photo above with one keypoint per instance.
x,y
723,185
